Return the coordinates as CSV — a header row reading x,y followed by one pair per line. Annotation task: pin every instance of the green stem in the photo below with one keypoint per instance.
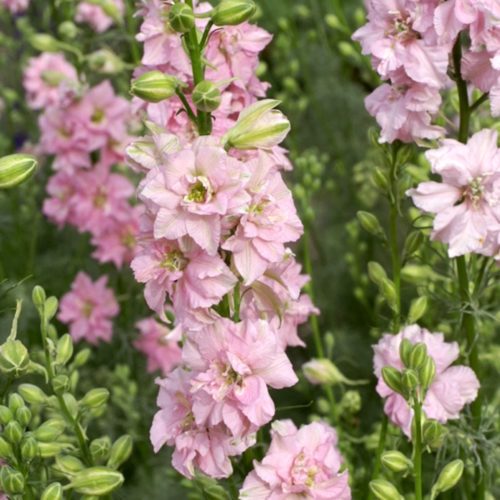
x,y
134,46
417,450
187,107
396,268
204,37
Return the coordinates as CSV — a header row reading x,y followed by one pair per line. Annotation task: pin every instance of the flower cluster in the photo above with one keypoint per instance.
x,y
452,387
410,43
213,243
85,129
99,16
15,6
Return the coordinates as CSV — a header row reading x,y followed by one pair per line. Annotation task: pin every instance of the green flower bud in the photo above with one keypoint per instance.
x,y
60,384
380,179
39,297
405,349
120,451
67,29
15,168
68,464
417,309
13,432
427,372
52,449
412,244
5,415
322,371
29,448
395,461
433,434
11,481
181,17
15,402
351,402
258,126
384,490
51,305
376,272
95,398
96,481
154,86
206,96
417,356
448,478
71,403
100,448
5,449
388,291
52,78
23,416
44,42
82,357
49,431
53,491
370,223
32,394
14,358
105,61
64,349
409,380
392,378
233,12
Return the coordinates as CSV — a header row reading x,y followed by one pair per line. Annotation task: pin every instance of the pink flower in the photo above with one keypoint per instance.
x,y
88,309
233,364
15,6
43,76
157,342
453,386
303,463
60,206
466,202
96,16
193,191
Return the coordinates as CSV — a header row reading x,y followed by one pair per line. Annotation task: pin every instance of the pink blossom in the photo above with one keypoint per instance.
x,y
233,364
157,342
42,79
88,309
466,200
15,6
95,15
453,386
300,463
60,206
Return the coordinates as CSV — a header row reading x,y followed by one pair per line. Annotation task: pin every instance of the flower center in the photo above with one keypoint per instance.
x,y
200,192
174,261
400,28
87,308
98,115
475,191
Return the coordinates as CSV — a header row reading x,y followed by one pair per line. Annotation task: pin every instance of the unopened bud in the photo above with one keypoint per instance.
x,y
96,481
433,434
52,449
29,448
413,243
11,481
6,415
380,179
100,448
417,309
370,223
67,29
322,371
49,431
154,86
95,398
64,349
384,490
82,357
233,12
120,451
409,380
44,42
427,372
39,296
206,96
405,349
23,416
105,61
15,402
395,461
259,126
32,394
53,491
16,168
5,449
60,383
181,17
388,290
376,272
392,378
13,432
417,356
448,478
67,464
51,305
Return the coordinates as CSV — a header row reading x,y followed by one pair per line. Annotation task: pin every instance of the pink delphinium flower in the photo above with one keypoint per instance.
x,y
233,364
300,463
42,79
15,6
88,309
96,16
157,343
466,201
452,388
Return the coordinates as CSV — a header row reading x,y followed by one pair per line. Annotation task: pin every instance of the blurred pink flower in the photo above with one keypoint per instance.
x,y
466,201
42,79
95,15
453,386
15,6
88,309
303,463
157,343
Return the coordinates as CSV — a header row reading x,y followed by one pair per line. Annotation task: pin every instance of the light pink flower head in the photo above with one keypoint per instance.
x,y
15,6
300,463
157,342
466,201
88,309
96,16
43,76
452,388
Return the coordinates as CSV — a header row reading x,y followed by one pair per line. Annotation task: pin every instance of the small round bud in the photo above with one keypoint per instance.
x,y
95,397
417,309
39,297
13,432
5,449
60,384
100,448
233,12
322,371
49,431
5,415
351,402
53,491
11,481
413,243
370,223
120,451
417,356
206,96
14,358
376,272
181,17
388,291
154,86
64,349
51,305
32,394
380,179
433,434
15,402
16,168
67,29
395,461
96,481
44,42
409,380
392,378
23,416
448,478
427,372
405,349
384,490
82,357
67,464
29,448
